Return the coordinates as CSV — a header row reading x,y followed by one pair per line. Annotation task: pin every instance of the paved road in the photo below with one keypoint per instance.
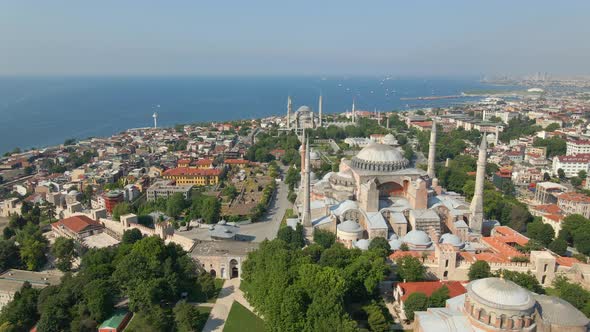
x,y
229,293
266,228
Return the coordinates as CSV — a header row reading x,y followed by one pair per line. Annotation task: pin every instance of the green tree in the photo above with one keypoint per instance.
x,y
381,246
20,314
98,295
417,301
582,174
63,251
576,181
324,238
188,318
376,319
561,173
9,255
121,209
33,246
175,205
131,236
552,127
525,280
479,270
571,292
410,269
541,232
439,297
558,246
230,191
292,236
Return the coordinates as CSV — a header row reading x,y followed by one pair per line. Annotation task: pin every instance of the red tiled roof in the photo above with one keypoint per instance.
x,y
428,287
574,197
579,141
548,208
566,261
203,162
179,171
76,223
235,161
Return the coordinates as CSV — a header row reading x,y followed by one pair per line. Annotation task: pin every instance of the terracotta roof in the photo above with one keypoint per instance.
x,y
236,161
428,287
548,208
574,197
566,261
76,223
203,162
579,141
180,171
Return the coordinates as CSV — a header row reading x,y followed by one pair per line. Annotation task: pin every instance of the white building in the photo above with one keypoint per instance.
x,y
577,147
571,165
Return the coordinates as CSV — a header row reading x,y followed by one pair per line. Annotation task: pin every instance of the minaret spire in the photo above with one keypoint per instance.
x,y
289,109
476,219
306,220
320,111
432,151
353,112
302,154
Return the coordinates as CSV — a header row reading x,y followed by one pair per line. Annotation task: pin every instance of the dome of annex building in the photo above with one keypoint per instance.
x,y
379,157
417,238
499,293
349,226
362,244
395,244
314,155
451,239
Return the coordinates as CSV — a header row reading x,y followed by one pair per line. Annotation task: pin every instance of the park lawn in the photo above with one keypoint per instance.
x,y
241,319
138,324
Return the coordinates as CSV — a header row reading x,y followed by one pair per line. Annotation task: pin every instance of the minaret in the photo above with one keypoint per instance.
x,y
306,219
289,109
353,112
432,151
476,219
387,119
155,116
302,155
320,111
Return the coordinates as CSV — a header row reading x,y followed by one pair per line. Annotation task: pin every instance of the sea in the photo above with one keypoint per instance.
x,y
36,112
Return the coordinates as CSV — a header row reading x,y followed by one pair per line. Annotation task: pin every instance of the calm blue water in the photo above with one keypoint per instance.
x,y
37,112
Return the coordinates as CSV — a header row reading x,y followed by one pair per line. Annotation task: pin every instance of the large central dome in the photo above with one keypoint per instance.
x,y
379,157
500,293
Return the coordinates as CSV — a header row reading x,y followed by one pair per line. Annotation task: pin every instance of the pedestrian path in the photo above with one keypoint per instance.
x,y
229,293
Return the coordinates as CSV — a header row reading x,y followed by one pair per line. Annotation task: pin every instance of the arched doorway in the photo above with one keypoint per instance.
x,y
213,273
234,271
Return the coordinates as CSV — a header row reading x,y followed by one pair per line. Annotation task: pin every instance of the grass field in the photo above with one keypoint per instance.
x,y
139,324
288,214
241,319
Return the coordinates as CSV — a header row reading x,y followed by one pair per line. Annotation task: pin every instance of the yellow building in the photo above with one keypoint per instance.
x,y
194,176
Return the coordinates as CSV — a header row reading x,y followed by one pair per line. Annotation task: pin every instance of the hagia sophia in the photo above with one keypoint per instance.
x,y
379,193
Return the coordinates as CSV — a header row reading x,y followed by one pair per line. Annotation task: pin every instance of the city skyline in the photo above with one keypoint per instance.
x,y
303,38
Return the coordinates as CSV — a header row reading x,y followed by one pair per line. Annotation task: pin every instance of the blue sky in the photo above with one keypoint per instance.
x,y
143,37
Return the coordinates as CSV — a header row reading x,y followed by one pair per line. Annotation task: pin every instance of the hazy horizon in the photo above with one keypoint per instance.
x,y
304,38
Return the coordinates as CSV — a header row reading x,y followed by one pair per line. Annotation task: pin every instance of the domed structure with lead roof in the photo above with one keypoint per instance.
x,y
380,158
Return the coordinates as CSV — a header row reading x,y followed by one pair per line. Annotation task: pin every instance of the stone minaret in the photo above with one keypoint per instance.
x,y
306,219
353,112
476,219
289,109
302,155
387,119
320,112
432,151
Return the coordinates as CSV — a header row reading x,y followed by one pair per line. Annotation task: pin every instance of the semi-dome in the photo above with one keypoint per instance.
x,y
560,312
417,238
389,139
349,226
451,239
379,157
393,237
501,294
